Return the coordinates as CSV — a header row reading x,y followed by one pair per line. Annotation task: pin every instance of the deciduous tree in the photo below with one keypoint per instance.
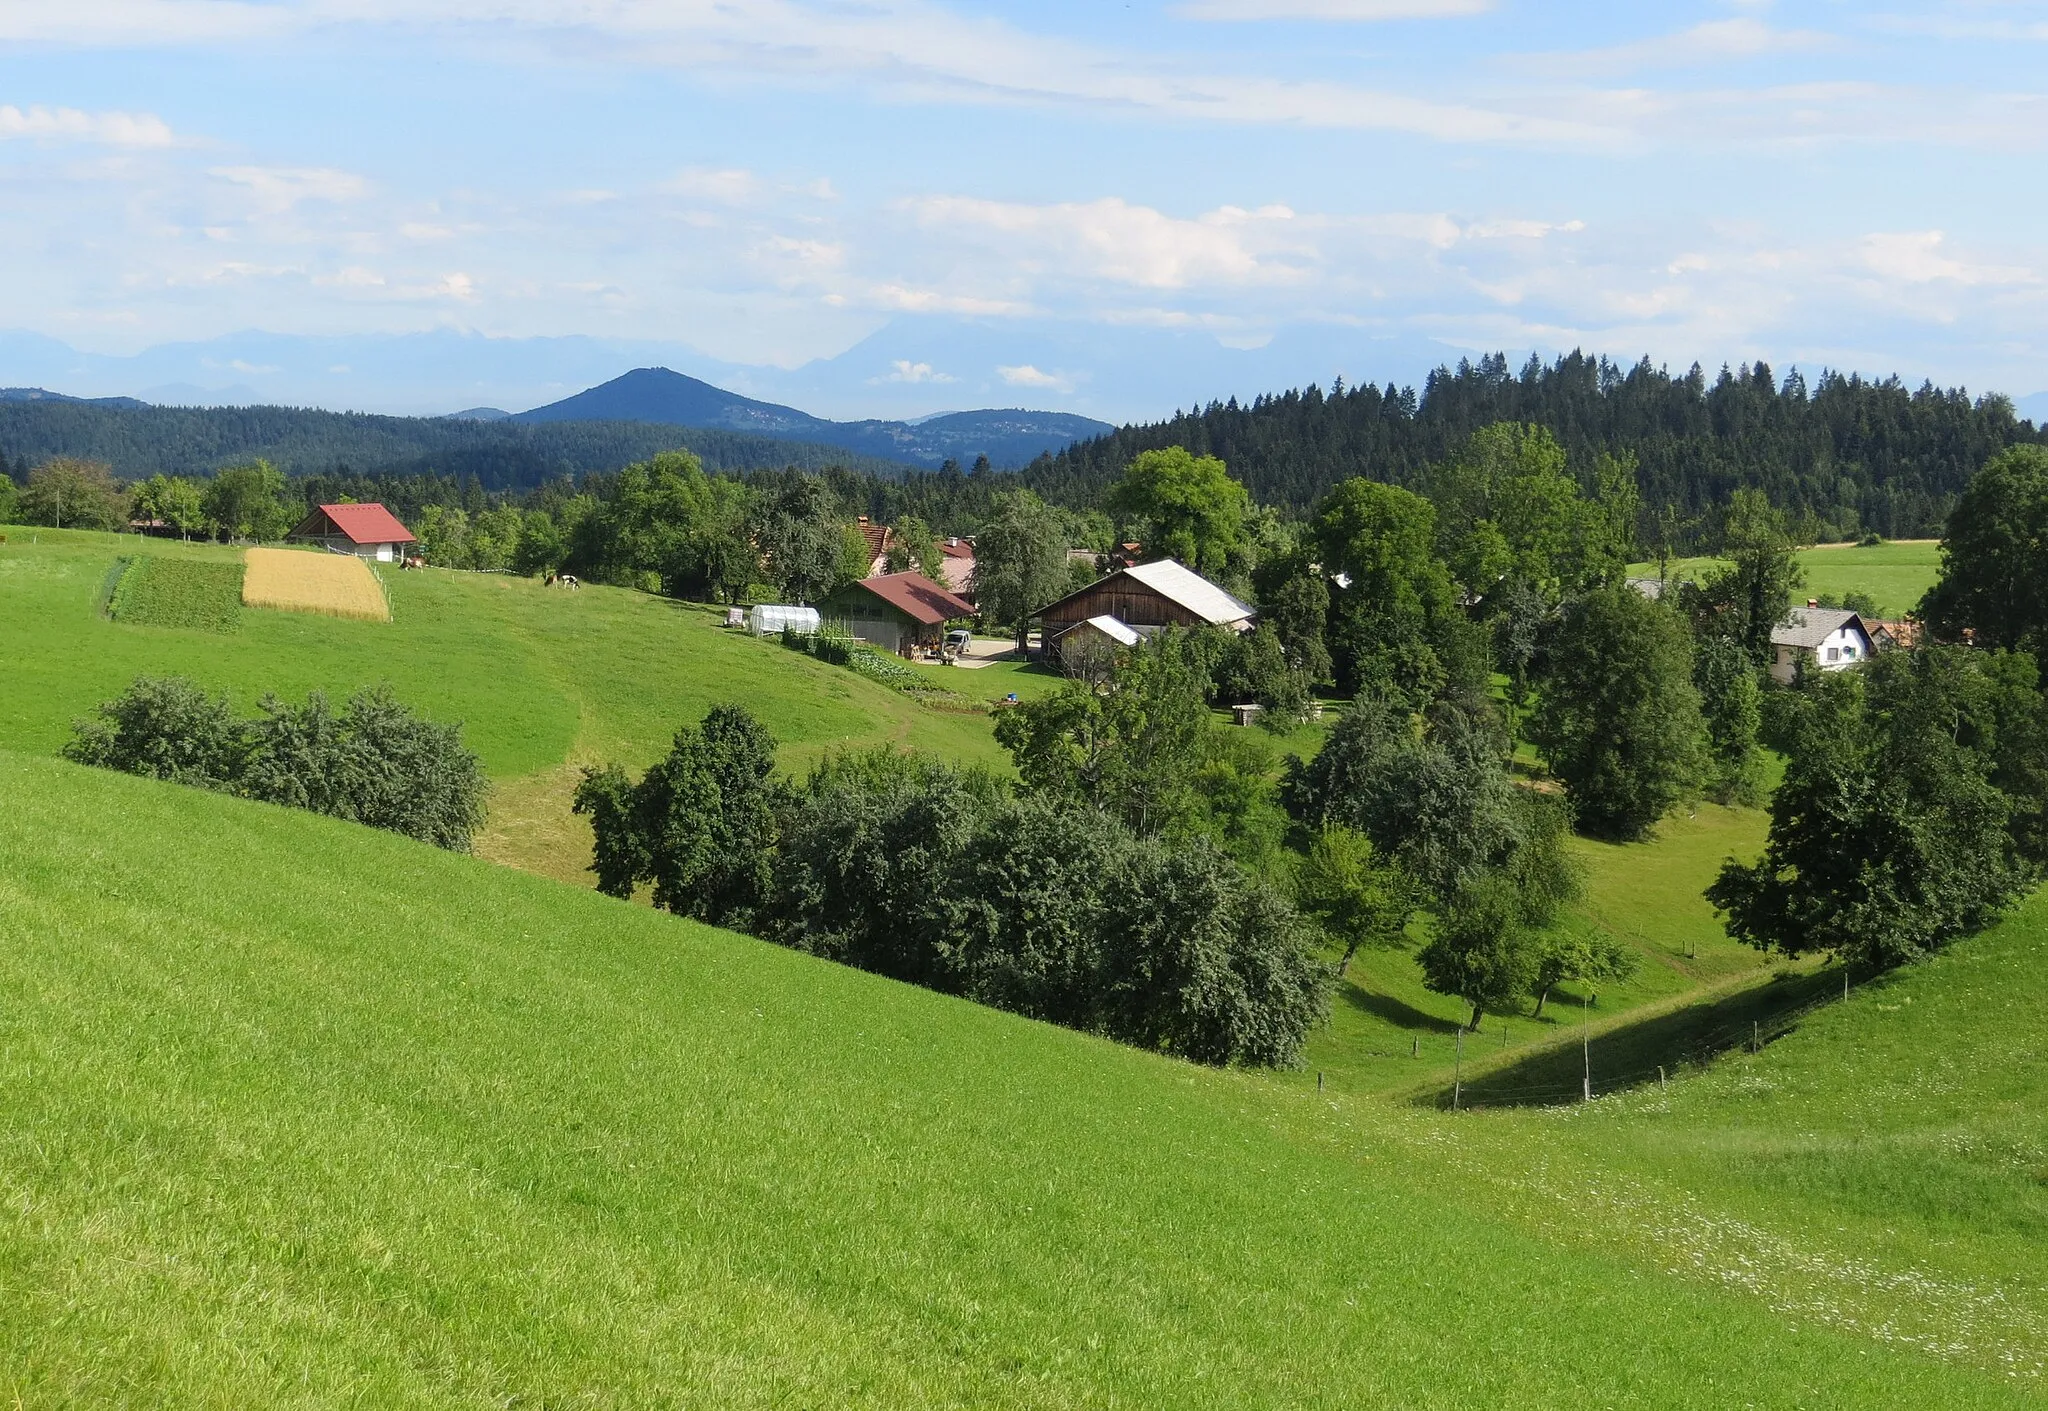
x,y
1619,722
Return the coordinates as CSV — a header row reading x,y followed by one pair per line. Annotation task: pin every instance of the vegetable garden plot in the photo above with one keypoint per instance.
x,y
167,592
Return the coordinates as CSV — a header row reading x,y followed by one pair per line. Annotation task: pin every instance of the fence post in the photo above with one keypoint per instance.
x,y
1458,1076
1586,1043
1756,1036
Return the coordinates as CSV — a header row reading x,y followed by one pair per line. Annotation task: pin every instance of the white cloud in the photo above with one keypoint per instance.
x,y
1331,9
911,49
727,188
1025,375
904,370
1714,42
1113,240
279,189
113,129
1917,257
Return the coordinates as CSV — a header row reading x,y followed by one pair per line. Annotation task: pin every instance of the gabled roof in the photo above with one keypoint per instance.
x,y
918,596
1177,584
1809,627
1110,627
359,524
956,548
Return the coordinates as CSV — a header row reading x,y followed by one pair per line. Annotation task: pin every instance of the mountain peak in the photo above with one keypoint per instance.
x,y
1009,438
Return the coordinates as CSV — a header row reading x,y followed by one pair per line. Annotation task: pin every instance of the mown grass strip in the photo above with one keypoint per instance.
x,y
189,593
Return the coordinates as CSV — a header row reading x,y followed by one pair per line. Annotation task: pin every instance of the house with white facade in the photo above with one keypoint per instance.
x,y
1831,639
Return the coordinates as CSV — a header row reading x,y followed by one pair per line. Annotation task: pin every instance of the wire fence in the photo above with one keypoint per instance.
x,y
1631,1056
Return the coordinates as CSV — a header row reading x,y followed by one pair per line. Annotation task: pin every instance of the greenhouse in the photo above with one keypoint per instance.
x,y
765,618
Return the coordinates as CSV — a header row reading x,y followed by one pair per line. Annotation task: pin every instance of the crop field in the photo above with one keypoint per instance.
x,y
157,591
336,585
465,1137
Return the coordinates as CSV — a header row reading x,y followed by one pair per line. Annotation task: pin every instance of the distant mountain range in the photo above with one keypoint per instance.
x,y
1008,438
41,394
627,412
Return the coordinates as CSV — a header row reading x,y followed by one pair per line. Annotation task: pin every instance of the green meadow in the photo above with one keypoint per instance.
x,y
1897,574
302,1113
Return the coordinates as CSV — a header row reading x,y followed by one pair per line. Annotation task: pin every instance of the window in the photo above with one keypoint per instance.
x,y
1834,653
1848,654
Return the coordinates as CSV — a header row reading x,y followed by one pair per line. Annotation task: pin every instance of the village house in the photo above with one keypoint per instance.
x,y
367,531
1144,599
1831,639
897,612
956,567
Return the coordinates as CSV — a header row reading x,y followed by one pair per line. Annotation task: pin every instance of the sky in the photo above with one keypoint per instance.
x,y
1109,207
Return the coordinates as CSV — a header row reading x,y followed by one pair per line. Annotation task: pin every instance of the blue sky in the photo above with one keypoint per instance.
x,y
1040,195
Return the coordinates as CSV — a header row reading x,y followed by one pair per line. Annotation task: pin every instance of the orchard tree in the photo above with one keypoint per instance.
x,y
248,502
1397,630
1731,704
1358,896
1619,722
1908,814
801,539
170,500
699,825
1492,946
69,493
1020,561
1992,579
1753,594
1188,506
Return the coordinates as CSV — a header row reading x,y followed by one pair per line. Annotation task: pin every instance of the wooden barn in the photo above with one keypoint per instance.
x,y
367,531
1145,598
898,612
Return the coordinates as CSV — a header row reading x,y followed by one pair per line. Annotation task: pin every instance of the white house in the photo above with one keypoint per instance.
x,y
1828,638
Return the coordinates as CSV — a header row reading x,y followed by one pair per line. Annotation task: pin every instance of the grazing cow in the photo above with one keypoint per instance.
x,y
568,580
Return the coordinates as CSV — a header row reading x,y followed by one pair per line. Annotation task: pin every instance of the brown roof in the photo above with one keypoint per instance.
x,y
360,524
956,548
918,596
877,535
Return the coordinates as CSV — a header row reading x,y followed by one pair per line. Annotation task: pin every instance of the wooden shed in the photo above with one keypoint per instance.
x,y
1145,598
898,612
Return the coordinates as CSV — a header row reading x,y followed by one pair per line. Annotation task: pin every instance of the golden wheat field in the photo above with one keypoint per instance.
x,y
339,585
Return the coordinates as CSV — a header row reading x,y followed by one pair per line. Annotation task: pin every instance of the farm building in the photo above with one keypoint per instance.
x,y
367,531
898,612
958,567
1829,638
1145,598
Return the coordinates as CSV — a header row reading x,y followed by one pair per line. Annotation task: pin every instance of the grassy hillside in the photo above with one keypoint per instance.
x,y
542,679
303,1114
1897,574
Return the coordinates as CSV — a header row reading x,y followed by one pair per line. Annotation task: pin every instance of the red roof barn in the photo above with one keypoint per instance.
x,y
896,611
367,531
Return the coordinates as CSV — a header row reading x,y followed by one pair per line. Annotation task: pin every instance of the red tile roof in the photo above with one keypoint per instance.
x,y
959,550
363,524
917,595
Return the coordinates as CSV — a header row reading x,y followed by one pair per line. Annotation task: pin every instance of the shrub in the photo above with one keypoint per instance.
x,y
374,762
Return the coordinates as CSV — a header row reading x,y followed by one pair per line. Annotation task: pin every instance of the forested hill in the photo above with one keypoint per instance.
x,y
1856,454
139,441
